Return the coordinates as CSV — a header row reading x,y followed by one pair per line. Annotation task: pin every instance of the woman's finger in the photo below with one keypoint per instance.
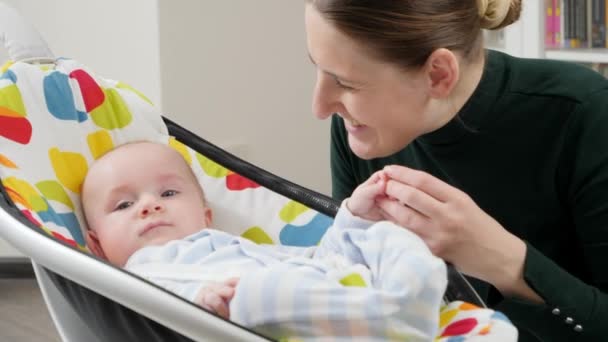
x,y
375,177
420,180
371,191
414,198
404,216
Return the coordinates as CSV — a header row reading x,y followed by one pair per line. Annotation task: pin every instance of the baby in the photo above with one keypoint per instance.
x,y
146,212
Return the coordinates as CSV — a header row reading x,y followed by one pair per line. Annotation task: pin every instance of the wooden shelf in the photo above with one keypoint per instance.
x,y
579,55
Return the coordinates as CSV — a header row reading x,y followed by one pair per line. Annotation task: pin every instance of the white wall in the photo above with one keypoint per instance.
x,y
117,39
236,72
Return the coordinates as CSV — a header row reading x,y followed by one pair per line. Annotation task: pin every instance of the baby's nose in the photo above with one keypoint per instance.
x,y
150,208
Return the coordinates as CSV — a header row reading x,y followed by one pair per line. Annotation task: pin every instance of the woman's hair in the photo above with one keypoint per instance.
x,y
406,32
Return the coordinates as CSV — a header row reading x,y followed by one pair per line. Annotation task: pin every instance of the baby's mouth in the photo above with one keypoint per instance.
x,y
151,226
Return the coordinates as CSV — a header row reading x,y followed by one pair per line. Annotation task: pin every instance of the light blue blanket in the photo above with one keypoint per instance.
x,y
375,281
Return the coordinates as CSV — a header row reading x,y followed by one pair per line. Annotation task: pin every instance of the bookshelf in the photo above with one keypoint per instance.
x,y
527,37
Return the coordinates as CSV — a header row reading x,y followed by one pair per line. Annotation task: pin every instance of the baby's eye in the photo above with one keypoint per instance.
x,y
169,193
123,205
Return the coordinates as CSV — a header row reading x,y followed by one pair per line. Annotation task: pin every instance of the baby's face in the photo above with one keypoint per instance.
x,y
138,195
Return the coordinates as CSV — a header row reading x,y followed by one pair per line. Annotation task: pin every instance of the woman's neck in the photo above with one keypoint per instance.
x,y
469,77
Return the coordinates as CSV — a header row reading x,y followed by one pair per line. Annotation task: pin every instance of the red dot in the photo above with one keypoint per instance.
x,y
460,327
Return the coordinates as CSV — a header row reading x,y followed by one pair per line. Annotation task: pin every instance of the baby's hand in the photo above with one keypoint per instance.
x,y
217,297
362,202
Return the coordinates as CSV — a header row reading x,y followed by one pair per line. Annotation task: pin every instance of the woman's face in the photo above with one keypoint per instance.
x,y
383,107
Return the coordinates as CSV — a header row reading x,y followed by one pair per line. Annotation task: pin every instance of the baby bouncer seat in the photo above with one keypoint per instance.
x,y
56,118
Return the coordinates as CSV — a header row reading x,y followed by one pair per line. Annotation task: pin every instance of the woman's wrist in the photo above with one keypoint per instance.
x,y
508,277
509,267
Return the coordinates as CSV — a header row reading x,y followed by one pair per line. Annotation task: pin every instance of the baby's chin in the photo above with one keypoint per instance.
x,y
160,241
158,236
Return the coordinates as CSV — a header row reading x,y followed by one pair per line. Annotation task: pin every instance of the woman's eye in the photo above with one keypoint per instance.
x,y
123,205
342,85
169,193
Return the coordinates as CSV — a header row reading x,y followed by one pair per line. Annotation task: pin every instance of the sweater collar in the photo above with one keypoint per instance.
x,y
471,116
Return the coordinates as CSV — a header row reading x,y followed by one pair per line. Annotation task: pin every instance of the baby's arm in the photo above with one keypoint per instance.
x,y
356,212
217,297
362,202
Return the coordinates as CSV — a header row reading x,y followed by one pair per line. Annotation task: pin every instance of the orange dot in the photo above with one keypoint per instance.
x,y
485,330
468,306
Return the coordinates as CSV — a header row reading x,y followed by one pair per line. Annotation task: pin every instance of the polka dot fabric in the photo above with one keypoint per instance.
x,y
55,120
461,321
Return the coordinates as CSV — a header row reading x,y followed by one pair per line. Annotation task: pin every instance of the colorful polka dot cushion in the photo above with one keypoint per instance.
x,y
460,321
55,120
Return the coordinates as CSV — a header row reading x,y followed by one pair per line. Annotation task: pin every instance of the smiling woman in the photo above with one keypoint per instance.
x,y
470,141
353,82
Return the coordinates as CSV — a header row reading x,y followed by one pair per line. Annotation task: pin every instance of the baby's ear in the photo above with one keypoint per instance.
x,y
94,245
208,217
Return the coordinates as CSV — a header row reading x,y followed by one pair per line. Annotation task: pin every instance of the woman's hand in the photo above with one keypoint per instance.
x,y
456,229
216,297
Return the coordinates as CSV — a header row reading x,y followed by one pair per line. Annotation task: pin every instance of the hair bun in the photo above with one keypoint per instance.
x,y
496,14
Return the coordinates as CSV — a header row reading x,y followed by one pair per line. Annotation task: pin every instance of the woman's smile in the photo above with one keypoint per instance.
x,y
354,127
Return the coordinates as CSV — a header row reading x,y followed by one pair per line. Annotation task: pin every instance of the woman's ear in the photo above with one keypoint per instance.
x,y
94,245
443,71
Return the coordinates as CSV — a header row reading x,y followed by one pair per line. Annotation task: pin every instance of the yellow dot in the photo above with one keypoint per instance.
x,y
99,143
291,211
353,279
446,317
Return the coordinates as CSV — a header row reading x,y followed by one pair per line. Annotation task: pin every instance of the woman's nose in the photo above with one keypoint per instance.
x,y
324,102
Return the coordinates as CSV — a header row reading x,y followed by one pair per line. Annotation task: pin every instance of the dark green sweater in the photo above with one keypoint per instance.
x,y
531,148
